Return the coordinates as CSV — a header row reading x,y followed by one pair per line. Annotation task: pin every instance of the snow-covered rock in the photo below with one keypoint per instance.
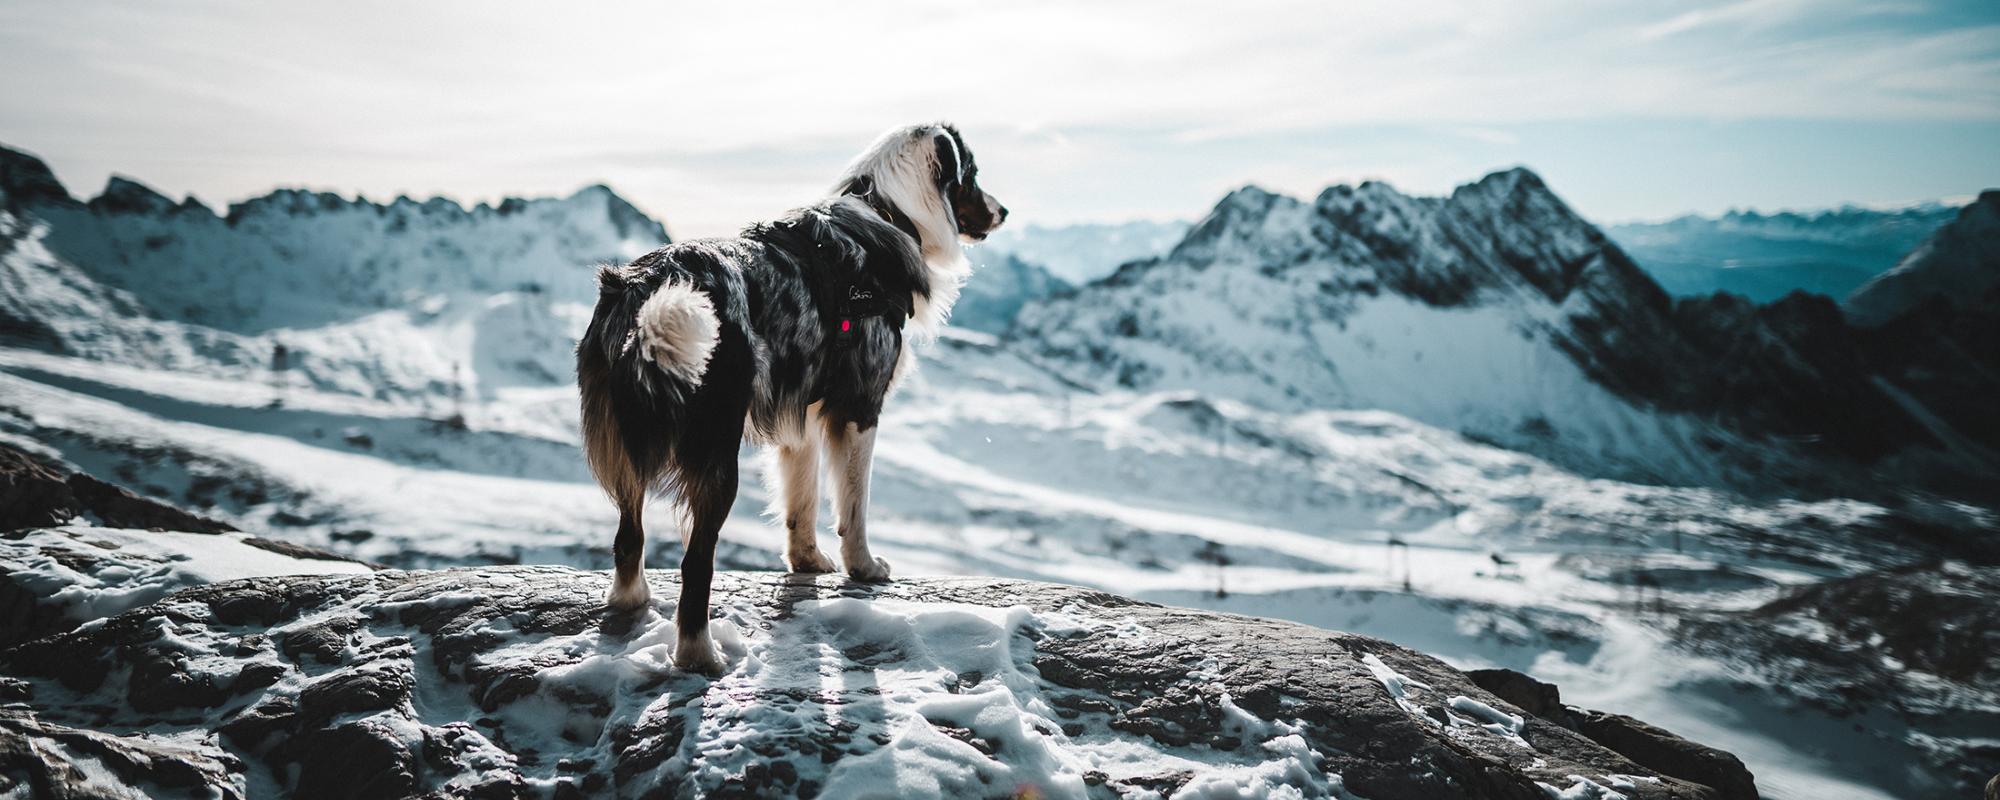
x,y
507,681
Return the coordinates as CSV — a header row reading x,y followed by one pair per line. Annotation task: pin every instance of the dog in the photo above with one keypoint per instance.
x,y
791,334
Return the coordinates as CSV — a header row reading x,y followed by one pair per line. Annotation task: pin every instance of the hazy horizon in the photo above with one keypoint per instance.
x,y
710,119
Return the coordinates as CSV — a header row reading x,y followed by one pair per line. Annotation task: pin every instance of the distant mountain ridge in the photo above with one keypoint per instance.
x,y
1083,252
1003,284
1766,256
294,257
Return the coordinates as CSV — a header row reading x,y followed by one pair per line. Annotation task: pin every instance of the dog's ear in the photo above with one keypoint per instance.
x,y
950,170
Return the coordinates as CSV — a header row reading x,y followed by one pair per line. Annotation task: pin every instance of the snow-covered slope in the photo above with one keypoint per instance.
x,y
1086,251
1960,265
1767,256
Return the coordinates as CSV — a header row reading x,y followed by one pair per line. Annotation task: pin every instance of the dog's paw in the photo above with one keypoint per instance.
x,y
697,654
812,561
628,598
868,569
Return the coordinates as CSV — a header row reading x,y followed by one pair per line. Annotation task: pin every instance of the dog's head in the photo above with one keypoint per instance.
x,y
975,212
929,175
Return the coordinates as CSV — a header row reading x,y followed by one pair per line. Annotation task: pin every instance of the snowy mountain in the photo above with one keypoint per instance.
x,y
1767,256
411,301
1497,312
1084,252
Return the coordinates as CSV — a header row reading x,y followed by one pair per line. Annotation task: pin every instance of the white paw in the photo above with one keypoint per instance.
x,y
868,569
697,654
808,561
629,598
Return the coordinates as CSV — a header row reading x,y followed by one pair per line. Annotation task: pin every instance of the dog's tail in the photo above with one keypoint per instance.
x,y
677,330
638,365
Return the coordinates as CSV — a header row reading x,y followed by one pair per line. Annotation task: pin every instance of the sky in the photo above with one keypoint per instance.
x,y
714,115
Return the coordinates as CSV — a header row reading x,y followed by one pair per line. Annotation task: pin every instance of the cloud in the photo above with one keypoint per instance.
x,y
699,96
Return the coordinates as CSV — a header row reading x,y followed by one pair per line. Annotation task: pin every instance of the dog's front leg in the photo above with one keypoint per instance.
x,y
850,453
797,478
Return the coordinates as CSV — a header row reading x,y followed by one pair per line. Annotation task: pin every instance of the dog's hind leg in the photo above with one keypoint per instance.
x,y
797,479
709,496
850,456
628,552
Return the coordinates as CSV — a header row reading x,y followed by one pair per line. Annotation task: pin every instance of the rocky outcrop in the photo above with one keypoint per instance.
x,y
489,681
1645,744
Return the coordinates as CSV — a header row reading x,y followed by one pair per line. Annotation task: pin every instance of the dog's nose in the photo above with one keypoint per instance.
x,y
1003,213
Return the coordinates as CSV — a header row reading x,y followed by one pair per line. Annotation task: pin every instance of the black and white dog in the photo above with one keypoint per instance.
x,y
791,334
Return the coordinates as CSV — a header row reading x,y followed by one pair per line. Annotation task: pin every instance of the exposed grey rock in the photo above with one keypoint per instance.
x,y
397,683
1535,697
44,760
1648,745
1671,755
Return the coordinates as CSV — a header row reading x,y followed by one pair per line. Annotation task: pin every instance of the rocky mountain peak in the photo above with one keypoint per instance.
x,y
625,217
26,181
1251,224
123,195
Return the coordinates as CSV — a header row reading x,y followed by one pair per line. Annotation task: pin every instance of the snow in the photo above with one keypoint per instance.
x,y
135,568
1580,788
947,690
1488,718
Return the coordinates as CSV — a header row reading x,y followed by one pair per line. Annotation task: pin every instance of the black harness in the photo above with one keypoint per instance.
x,y
859,297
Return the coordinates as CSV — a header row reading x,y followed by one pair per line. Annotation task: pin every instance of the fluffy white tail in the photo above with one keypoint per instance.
x,y
678,329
